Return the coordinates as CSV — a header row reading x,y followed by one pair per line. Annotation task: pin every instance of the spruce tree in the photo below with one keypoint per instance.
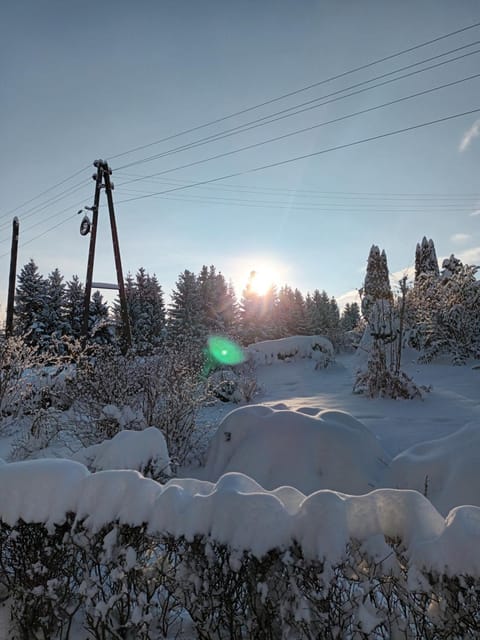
x,y
185,314
30,300
100,325
377,283
426,262
74,301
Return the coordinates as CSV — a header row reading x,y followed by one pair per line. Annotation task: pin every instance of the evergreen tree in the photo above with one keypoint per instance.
x,y
52,315
30,300
319,313
146,310
285,312
100,326
74,301
426,262
185,315
350,316
377,283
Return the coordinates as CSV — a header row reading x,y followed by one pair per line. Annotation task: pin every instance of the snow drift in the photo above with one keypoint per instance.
x,y
447,470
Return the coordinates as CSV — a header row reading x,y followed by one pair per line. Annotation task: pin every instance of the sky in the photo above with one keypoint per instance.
x,y
81,81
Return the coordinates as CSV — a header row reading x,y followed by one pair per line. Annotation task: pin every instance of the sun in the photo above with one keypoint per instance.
x,y
262,280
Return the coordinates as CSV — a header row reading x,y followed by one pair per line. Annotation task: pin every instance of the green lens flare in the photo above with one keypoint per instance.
x,y
225,351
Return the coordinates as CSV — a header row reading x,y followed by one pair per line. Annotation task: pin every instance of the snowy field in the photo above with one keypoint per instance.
x,y
305,429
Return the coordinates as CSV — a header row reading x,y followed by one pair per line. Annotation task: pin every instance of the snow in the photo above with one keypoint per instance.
x,y
237,511
140,450
300,467
447,469
317,348
278,447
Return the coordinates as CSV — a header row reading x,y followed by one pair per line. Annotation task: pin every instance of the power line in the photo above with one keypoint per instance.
x,y
312,104
279,163
356,195
39,195
75,205
301,90
254,145
311,155
331,207
52,201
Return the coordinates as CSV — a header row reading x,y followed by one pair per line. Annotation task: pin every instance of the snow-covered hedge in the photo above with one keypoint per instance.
x,y
317,348
126,557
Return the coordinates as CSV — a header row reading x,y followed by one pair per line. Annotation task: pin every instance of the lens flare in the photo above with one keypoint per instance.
x,y
225,351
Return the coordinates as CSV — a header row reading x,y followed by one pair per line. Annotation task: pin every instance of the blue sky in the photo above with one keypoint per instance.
x,y
88,80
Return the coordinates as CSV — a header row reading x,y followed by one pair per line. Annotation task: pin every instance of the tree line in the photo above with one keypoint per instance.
x,y
47,308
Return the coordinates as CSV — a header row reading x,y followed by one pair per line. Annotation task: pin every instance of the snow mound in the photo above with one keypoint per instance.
x,y
331,450
144,451
447,470
317,348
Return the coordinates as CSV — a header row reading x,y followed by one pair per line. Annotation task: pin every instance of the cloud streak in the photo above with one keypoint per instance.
x,y
460,237
469,135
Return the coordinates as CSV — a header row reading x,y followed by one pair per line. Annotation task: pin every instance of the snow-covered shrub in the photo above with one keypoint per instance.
x,y
125,557
173,390
17,363
39,572
44,428
317,348
234,385
144,451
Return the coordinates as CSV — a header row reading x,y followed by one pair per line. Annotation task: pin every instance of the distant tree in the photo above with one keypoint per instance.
x,y
101,325
258,313
185,314
426,262
376,285
74,301
30,300
350,316
53,313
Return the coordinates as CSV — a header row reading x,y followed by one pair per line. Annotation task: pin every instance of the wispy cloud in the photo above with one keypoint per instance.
x,y
396,276
348,298
475,213
470,256
469,135
459,238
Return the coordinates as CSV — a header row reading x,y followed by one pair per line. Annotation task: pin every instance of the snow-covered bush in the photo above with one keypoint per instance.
x,y
121,556
235,385
317,348
111,392
18,382
144,451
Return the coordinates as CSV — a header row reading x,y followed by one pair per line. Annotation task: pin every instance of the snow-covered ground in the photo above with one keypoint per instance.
x,y
305,429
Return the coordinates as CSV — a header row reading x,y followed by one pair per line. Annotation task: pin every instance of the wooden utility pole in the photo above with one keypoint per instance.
x,y
118,263
12,278
91,251
102,180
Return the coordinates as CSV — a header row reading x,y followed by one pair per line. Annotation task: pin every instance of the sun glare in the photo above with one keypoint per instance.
x,y
261,280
